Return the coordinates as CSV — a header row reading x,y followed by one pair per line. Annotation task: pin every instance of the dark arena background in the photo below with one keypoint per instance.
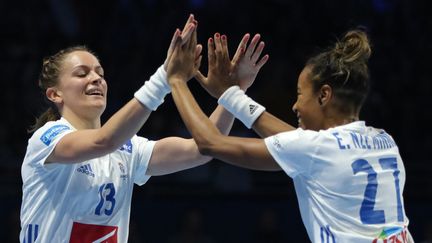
x,y
218,202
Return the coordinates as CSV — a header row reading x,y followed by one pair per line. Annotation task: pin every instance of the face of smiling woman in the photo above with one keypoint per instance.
x,y
307,107
82,89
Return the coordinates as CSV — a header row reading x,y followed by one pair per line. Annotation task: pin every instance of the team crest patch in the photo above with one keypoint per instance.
x,y
123,172
51,133
93,233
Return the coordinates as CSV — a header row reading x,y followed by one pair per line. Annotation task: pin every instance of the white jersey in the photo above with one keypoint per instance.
x,y
87,201
349,182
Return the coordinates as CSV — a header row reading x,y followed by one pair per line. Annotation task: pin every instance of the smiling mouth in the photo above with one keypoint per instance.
x,y
95,93
299,121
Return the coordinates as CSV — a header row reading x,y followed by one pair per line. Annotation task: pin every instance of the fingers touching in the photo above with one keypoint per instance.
x,y
242,69
184,35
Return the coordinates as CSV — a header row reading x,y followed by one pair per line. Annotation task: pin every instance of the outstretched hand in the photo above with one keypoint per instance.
x,y
247,62
241,70
185,59
184,36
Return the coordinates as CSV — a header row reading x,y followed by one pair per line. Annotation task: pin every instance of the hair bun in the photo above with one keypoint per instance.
x,y
354,47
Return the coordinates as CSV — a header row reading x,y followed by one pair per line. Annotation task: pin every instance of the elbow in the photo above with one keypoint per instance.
x,y
205,148
206,145
106,144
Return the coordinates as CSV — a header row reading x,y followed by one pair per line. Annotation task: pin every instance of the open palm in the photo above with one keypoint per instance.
x,y
245,61
241,70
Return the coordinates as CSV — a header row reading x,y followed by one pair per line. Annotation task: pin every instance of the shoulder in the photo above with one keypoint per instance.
x,y
50,131
299,135
42,143
296,140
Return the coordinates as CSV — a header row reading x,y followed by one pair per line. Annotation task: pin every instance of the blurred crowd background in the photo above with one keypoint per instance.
x,y
218,202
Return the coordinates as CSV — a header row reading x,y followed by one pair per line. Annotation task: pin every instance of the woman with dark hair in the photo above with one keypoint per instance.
x,y
349,177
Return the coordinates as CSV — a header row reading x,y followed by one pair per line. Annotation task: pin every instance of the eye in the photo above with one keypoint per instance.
x,y
81,74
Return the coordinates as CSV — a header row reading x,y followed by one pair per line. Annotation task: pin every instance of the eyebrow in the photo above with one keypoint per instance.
x,y
98,67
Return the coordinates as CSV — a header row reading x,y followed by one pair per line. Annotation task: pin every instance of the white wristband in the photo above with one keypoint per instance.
x,y
153,92
241,106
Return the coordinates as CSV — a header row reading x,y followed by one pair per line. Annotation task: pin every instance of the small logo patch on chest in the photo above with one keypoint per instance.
x,y
123,172
86,169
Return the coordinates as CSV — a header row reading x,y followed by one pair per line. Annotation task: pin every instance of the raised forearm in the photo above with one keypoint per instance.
x,y
195,120
125,123
268,125
222,119
91,143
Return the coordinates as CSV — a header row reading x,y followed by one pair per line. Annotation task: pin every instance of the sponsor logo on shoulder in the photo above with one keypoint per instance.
x,y
51,133
86,169
127,147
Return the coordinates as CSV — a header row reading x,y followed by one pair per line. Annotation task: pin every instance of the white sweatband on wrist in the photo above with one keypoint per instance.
x,y
241,106
153,92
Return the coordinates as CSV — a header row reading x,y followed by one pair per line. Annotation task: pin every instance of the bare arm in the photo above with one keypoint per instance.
x,y
243,152
268,125
181,67
91,143
174,154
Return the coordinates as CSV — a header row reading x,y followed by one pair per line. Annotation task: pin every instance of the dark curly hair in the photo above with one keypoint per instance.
x,y
344,68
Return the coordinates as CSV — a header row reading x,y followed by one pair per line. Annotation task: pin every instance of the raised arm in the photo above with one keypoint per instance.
x,y
243,152
174,154
87,144
268,125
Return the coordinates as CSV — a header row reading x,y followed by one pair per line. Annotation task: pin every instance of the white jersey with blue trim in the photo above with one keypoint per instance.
x,y
349,182
87,201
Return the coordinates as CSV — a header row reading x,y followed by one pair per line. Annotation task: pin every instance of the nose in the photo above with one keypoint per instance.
x,y
95,78
294,108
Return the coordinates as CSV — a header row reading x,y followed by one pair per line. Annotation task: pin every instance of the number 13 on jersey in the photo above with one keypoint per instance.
x,y
106,199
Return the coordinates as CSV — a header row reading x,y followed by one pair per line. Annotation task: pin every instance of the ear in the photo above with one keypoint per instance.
x,y
325,94
54,95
